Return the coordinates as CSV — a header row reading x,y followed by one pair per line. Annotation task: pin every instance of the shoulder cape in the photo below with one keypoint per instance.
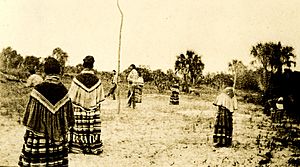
x,y
86,91
49,111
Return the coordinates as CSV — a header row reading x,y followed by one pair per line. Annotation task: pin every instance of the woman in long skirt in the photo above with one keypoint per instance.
x,y
139,89
132,79
47,119
86,93
174,98
226,103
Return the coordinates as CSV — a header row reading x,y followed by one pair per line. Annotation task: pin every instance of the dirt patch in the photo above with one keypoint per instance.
x,y
159,134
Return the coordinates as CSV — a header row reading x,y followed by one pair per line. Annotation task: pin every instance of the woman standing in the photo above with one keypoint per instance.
x,y
174,98
86,93
132,78
139,88
47,119
226,103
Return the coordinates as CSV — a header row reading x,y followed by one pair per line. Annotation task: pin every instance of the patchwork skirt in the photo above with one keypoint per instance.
x,y
85,135
174,98
138,91
223,127
40,151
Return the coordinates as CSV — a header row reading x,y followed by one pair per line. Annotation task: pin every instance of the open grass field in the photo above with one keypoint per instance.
x,y
156,133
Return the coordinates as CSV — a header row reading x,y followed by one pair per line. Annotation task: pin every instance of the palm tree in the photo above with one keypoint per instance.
x,y
287,54
272,57
190,67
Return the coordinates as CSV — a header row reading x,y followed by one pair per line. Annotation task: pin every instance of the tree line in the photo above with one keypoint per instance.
x,y
269,60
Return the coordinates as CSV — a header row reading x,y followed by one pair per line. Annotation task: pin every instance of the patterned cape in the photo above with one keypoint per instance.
x,y
224,100
49,111
86,90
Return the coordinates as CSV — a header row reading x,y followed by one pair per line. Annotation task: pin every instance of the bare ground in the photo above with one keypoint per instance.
x,y
157,134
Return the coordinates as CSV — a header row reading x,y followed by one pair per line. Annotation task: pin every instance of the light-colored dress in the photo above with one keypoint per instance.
x,y
86,93
132,79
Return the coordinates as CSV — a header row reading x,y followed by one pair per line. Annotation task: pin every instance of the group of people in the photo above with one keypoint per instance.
x,y
226,103
59,121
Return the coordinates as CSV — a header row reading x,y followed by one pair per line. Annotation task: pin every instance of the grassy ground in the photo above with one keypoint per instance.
x,y
156,133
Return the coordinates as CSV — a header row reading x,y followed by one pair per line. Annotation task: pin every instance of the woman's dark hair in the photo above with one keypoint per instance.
x,y
88,62
132,66
51,66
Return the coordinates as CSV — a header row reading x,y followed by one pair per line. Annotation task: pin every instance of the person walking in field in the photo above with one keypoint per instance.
x,y
174,98
139,88
113,86
226,103
132,78
86,93
48,117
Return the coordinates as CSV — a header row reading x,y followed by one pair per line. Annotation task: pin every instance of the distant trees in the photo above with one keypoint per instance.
x,y
236,67
31,62
146,74
272,57
61,56
221,80
190,66
160,80
243,78
10,58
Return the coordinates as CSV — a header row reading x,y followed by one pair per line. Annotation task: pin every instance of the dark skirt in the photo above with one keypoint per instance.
x,y
85,135
40,151
174,98
223,127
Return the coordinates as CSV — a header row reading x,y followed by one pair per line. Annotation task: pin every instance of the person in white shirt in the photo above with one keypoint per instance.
x,y
34,79
226,103
131,78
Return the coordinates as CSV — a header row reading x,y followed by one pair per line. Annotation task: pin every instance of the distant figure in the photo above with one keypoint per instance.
x,y
34,79
48,117
139,88
132,78
226,103
113,86
86,93
174,98
278,111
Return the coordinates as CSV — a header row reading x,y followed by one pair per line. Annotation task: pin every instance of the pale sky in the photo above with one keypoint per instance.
x,y
154,31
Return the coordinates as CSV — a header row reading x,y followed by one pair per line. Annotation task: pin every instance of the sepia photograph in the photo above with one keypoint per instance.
x,y
149,83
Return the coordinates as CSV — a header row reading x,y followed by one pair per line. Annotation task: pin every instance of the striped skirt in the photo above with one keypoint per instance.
x,y
40,151
174,98
85,135
223,127
138,94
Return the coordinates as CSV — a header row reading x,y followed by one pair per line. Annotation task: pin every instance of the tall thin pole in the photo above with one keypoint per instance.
x,y
119,56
